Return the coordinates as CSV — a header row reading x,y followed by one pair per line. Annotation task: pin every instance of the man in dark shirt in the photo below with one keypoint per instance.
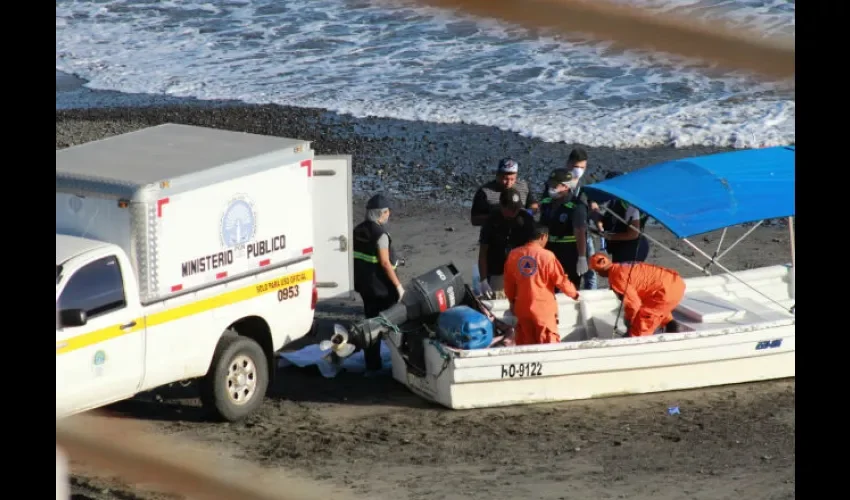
x,y
506,229
486,200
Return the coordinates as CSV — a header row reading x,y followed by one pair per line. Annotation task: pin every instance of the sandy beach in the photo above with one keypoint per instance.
x,y
377,439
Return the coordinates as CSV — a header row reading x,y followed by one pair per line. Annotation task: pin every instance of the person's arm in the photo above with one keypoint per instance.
x,y
483,240
595,218
384,259
631,304
618,279
584,198
480,209
633,218
562,281
599,217
510,280
544,215
482,261
580,228
581,241
532,203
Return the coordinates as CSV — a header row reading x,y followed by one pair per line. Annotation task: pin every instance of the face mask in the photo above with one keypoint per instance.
x,y
553,192
577,173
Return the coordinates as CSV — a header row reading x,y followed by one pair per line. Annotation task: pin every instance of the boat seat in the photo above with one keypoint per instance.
x,y
763,312
701,306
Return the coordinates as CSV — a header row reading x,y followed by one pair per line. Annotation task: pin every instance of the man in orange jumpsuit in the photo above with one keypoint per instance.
x,y
649,292
531,275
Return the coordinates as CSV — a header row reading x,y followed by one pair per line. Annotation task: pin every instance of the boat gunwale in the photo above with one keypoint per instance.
x,y
597,343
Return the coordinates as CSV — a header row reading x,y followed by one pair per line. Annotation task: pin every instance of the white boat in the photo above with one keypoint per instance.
x,y
733,327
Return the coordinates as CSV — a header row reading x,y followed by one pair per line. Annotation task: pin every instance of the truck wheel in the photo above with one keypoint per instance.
x,y
236,383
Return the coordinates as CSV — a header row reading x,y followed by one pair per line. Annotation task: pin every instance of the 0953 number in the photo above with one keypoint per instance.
x,y
521,370
288,292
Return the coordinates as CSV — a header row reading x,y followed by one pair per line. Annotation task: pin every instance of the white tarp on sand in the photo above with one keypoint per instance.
x,y
312,355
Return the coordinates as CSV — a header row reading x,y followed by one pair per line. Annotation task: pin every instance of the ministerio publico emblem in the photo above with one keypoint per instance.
x,y
239,223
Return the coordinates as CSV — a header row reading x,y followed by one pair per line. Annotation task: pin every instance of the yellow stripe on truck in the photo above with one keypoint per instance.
x,y
224,299
96,337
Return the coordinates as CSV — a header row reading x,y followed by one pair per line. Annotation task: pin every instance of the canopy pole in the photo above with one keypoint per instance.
x,y
707,265
605,209
720,243
742,238
793,257
730,273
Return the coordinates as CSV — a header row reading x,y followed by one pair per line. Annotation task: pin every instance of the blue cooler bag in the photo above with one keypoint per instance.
x,y
465,328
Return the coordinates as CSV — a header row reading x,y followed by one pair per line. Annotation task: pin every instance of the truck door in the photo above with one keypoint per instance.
x,y
99,353
332,254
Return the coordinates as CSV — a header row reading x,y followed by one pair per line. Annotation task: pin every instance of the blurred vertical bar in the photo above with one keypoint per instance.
x,y
62,487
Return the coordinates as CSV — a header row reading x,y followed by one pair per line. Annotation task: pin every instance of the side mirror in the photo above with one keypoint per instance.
x,y
72,317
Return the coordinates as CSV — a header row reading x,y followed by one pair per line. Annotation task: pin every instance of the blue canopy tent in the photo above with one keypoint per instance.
x,y
697,195
702,194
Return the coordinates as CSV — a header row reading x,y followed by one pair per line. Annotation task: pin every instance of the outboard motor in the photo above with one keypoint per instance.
x,y
425,297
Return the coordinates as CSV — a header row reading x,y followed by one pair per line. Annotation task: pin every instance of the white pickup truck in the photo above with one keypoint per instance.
x,y
185,252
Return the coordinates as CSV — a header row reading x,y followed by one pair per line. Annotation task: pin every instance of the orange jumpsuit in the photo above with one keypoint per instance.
x,y
650,294
531,275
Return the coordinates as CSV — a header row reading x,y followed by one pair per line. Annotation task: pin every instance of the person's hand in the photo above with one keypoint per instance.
x,y
595,231
485,289
400,289
581,266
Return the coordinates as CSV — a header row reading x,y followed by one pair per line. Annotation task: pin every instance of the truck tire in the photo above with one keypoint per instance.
x,y
238,378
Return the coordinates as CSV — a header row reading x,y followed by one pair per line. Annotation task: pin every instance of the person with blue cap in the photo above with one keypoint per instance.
x,y
375,263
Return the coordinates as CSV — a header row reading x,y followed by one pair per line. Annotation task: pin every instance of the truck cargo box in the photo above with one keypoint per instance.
x,y
192,206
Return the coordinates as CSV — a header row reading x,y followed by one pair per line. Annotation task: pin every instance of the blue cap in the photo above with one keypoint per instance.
x,y
378,202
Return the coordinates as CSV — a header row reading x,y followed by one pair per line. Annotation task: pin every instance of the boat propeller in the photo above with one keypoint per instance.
x,y
338,343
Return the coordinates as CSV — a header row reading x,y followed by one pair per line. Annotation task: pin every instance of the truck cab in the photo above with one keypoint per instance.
x,y
98,311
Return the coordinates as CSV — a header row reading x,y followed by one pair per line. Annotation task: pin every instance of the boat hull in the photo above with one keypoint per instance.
x,y
592,363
